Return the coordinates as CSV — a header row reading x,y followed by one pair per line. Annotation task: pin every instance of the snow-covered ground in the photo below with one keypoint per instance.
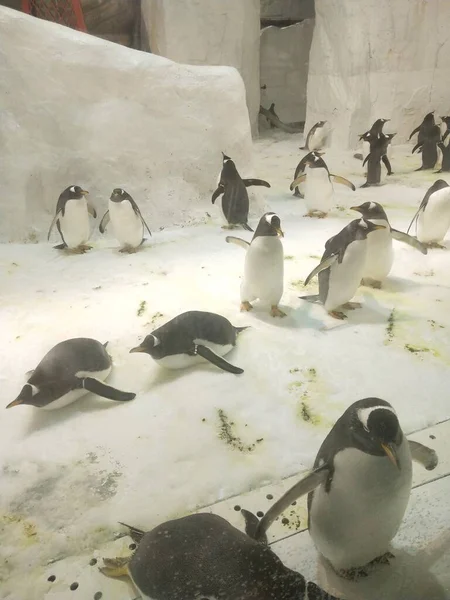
x,y
196,436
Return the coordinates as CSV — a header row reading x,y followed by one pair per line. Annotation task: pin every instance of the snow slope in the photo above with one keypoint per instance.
x,y
196,436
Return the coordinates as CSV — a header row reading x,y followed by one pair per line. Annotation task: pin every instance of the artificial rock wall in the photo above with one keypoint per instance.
x,y
76,109
209,32
378,58
287,9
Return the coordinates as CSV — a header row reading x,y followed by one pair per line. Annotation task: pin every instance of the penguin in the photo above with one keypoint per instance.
x,y
358,490
68,371
127,221
374,132
380,253
300,169
212,559
191,337
235,203
445,127
316,138
341,268
431,140
72,220
423,129
433,217
378,152
318,186
445,147
264,265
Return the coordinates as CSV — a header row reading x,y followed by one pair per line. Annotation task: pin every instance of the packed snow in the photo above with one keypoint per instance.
x,y
195,436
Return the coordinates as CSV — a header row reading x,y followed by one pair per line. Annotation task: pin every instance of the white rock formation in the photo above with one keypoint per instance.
x,y
284,68
378,58
287,9
79,110
209,32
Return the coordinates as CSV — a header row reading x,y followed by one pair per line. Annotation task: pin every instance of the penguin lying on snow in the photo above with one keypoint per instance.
x,y
300,169
191,337
318,186
316,138
378,152
68,371
341,268
433,217
72,219
264,265
358,490
126,219
380,254
204,556
235,203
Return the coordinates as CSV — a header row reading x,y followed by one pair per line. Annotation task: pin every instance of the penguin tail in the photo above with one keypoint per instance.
x,y
240,329
251,526
247,227
312,298
105,344
135,533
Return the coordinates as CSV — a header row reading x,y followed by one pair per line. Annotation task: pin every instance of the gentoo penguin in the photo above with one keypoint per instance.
x,y
318,186
316,137
423,129
72,219
428,147
433,217
300,169
264,265
377,153
191,337
341,268
68,371
374,132
445,127
204,556
358,490
235,202
445,147
126,219
380,253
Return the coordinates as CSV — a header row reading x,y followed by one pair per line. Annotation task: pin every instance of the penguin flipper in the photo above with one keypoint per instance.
x,y
427,457
247,227
249,182
104,222
55,218
418,145
416,130
60,246
220,190
212,357
343,181
297,181
251,525
91,210
309,483
415,217
106,391
145,225
325,264
408,239
387,164
231,239
366,159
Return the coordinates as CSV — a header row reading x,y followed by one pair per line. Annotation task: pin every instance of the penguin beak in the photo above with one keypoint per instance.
x,y
391,453
279,231
15,402
375,227
358,208
84,192
137,349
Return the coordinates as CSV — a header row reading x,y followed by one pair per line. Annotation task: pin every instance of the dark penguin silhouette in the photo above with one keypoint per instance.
x,y
190,337
378,152
204,556
235,203
429,147
68,371
423,129
445,148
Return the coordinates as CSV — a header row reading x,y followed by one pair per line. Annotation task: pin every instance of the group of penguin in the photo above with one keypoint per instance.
x,y
360,485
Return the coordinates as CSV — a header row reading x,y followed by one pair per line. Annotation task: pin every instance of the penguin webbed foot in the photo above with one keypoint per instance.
x,y
353,574
336,314
246,306
367,282
318,214
277,312
384,559
115,567
352,305
128,250
435,245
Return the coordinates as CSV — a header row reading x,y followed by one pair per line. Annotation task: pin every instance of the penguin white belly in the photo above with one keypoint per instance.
x,y
263,271
75,394
317,140
345,277
434,221
75,223
318,190
380,254
181,361
355,522
127,225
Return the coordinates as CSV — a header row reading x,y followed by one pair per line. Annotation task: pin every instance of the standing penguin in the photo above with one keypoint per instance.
x,y
316,138
358,490
318,186
72,219
380,253
378,152
126,219
341,268
423,129
212,559
300,169
433,217
191,337
374,132
68,371
264,265
428,147
235,203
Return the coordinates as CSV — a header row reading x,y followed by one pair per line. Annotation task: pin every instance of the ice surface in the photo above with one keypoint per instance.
x,y
69,476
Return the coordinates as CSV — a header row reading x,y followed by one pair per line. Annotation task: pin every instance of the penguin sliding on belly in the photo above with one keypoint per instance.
x,y
380,253
212,559
316,138
190,338
68,371
358,490
318,186
126,220
264,265
235,203
341,268
72,219
433,217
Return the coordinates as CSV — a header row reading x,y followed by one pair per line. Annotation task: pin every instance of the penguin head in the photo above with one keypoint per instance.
x,y
119,195
269,225
314,160
446,120
360,228
26,396
148,345
371,210
429,118
74,192
377,428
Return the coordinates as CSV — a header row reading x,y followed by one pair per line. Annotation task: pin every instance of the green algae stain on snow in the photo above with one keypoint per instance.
x,y
227,433
311,395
